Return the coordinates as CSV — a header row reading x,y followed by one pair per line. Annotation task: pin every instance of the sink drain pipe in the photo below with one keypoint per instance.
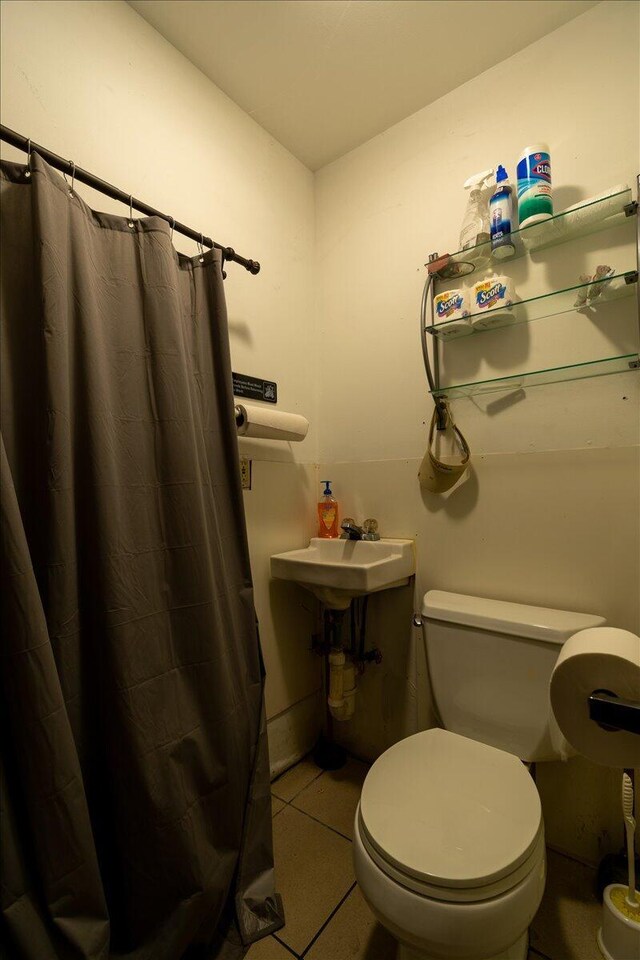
x,y
342,686
342,668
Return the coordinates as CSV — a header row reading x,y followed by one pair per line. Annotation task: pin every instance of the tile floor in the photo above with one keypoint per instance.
x,y
327,917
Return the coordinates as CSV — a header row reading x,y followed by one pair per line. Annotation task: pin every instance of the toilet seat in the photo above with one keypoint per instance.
x,y
454,894
451,818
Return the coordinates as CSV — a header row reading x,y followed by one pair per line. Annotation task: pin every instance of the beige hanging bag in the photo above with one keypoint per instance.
x,y
434,475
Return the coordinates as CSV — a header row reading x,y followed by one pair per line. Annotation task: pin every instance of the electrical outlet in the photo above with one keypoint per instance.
x,y
245,472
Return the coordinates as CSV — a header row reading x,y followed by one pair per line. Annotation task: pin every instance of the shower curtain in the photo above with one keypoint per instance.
x,y
135,811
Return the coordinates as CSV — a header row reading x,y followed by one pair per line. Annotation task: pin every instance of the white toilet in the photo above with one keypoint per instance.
x,y
449,839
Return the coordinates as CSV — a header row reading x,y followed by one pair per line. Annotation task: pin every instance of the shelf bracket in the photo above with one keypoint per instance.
x,y
435,262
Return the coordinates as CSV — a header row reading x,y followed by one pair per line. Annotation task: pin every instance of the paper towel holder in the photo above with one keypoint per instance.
x,y
257,422
613,713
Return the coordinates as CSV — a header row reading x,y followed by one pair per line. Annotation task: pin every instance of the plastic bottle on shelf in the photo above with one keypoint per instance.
x,y
535,202
475,226
500,217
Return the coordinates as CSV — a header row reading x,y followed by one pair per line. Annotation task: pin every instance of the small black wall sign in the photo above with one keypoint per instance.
x,y
254,388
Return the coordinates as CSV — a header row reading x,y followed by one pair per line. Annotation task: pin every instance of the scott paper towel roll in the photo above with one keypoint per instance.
x,y
601,658
267,424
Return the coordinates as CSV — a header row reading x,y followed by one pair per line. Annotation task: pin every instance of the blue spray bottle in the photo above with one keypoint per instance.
x,y
500,217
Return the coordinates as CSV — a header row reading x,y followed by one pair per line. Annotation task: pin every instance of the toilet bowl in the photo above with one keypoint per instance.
x,y
449,839
449,848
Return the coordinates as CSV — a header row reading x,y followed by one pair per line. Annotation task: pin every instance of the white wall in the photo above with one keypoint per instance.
x,y
384,207
94,82
549,512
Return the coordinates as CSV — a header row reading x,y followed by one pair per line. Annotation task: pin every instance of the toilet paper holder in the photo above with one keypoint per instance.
x,y
612,712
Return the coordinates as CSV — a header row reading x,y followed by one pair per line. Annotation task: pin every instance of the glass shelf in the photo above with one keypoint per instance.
x,y
534,378
619,287
580,221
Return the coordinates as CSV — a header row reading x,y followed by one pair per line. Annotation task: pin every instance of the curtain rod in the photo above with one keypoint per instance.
x,y
67,166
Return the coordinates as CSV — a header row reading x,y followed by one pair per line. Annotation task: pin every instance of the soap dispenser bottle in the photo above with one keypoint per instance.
x,y
328,514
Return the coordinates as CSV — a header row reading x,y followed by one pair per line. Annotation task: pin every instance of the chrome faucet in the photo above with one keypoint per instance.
x,y
351,530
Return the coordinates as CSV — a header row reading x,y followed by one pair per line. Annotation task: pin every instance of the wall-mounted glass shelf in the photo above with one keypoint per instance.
x,y
534,378
600,292
579,221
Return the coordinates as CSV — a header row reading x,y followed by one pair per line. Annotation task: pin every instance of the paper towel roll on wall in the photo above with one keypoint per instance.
x,y
264,423
601,658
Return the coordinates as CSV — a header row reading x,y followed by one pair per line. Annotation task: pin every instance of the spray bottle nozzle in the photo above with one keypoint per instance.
x,y
479,180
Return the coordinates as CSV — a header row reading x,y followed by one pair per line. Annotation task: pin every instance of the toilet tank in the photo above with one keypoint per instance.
x,y
490,665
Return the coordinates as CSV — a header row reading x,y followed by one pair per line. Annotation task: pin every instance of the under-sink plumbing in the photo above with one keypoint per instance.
x,y
344,661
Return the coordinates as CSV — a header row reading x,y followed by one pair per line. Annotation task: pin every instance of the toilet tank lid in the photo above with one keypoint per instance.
x,y
500,616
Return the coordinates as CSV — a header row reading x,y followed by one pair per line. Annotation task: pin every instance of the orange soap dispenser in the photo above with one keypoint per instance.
x,y
328,514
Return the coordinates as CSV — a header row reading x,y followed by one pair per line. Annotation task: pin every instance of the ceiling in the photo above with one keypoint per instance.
x,y
323,76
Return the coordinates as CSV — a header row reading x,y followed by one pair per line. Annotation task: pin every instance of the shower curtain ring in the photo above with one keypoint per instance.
x,y
222,269
173,223
131,223
27,172
201,248
73,177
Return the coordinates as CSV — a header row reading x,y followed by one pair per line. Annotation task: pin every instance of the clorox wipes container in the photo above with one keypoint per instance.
x,y
535,202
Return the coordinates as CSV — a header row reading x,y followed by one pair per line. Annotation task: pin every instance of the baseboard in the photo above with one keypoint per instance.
x,y
293,733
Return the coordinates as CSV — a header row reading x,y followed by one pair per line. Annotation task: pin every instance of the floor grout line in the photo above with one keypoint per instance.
x,y
313,780
290,803
287,947
568,856
322,823
328,920
544,956
320,773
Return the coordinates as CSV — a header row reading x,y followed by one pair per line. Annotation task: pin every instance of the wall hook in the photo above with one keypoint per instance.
x,y
442,413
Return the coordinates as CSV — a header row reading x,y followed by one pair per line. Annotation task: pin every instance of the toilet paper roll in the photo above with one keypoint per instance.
x,y
601,658
450,310
451,305
492,299
267,424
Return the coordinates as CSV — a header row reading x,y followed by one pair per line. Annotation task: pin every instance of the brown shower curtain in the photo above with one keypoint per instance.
x,y
134,791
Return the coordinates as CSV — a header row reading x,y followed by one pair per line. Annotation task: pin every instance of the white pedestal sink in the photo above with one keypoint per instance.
x,y
338,570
